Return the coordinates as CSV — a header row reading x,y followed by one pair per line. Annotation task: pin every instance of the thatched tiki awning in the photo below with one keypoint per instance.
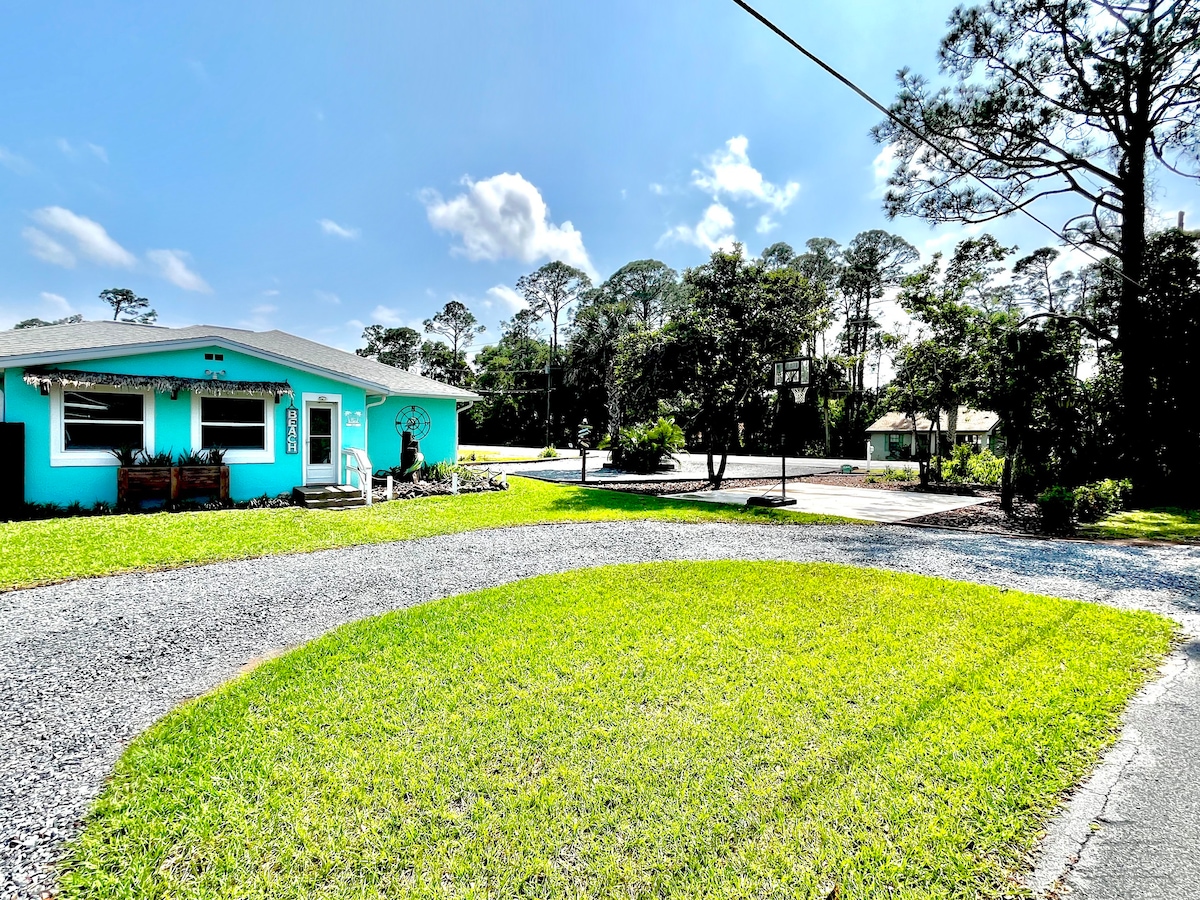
x,y
162,384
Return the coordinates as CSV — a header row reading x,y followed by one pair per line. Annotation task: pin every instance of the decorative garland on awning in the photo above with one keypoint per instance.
x,y
162,384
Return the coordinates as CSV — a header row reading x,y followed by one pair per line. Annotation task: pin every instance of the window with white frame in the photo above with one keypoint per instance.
x,y
87,424
242,426
103,420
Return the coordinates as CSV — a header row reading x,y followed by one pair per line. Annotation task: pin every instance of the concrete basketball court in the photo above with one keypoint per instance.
x,y
869,504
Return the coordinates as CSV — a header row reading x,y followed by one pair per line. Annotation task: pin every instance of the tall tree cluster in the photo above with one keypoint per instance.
x,y
1061,98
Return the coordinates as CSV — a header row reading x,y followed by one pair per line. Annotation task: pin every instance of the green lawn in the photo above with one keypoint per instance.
x,y
1167,524
57,549
712,730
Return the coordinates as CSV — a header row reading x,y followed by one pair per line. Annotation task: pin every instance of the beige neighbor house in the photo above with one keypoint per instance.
x,y
891,436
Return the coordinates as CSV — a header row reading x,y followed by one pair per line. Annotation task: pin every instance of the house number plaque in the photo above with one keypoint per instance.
x,y
293,430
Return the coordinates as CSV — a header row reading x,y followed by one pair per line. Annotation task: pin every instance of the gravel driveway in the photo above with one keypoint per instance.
x,y
85,666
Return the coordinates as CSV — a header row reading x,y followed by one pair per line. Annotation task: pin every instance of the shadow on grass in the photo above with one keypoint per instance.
x,y
583,500
1168,523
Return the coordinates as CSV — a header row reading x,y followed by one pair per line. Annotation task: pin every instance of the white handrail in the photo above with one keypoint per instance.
x,y
359,463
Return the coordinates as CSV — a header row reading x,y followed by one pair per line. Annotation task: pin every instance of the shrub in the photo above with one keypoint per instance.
x,y
439,471
905,474
1057,508
1096,500
548,452
985,467
643,446
966,466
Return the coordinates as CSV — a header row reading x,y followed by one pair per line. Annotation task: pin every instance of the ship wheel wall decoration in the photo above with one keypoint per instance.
x,y
415,420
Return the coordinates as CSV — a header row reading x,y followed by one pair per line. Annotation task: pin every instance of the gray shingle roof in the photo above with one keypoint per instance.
x,y
969,420
64,343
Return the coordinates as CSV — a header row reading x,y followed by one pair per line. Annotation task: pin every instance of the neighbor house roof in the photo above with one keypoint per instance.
x,y
969,420
51,344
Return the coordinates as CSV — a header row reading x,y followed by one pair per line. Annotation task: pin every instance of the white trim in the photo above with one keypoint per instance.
x,y
335,454
236,456
61,457
108,351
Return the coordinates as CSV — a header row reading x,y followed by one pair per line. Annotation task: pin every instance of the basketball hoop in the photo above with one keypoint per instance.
x,y
799,393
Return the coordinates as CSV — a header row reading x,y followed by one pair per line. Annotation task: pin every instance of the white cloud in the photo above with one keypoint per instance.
x,y
327,297
331,227
47,249
73,151
385,315
14,163
729,172
90,237
173,266
714,231
265,309
270,292
766,224
505,217
58,303
656,188
507,297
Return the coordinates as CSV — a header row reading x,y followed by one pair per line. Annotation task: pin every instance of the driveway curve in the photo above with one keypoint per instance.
x,y
87,665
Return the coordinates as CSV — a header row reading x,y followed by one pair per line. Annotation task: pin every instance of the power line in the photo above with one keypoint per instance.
x,y
912,129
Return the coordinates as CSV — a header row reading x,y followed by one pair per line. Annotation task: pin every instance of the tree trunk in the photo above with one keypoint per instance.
x,y
1006,478
1136,352
825,404
952,424
715,473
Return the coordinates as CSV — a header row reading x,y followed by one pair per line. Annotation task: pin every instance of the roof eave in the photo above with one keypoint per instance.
x,y
52,357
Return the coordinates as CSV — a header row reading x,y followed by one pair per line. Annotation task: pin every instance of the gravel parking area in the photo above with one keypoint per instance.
x,y
85,666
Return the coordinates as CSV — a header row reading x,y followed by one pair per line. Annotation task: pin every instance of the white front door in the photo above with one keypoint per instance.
x,y
322,443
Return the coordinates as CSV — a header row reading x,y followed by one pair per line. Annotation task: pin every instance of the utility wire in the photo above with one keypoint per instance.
x,y
912,129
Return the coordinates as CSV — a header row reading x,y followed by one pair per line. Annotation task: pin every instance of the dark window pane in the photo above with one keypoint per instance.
x,y
233,437
320,421
215,410
320,450
101,406
101,436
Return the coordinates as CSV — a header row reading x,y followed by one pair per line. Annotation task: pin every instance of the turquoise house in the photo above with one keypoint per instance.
x,y
288,411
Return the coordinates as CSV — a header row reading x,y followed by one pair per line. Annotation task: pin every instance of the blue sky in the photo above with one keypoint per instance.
x,y
319,167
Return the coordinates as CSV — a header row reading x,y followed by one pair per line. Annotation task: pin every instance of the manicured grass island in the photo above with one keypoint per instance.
x,y
711,730
1166,524
52,550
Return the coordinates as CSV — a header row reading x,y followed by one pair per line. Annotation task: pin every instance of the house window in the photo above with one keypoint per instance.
x,y
235,423
87,424
895,442
243,425
95,420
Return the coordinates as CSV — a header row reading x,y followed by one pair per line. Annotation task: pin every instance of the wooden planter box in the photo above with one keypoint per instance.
x,y
140,485
137,485
202,481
